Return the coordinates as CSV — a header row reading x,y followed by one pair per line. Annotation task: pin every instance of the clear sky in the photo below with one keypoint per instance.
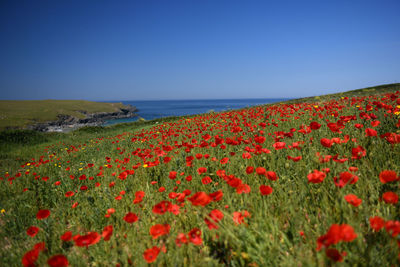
x,y
139,50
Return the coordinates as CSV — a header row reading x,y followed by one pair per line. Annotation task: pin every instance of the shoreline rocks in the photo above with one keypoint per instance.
x,y
66,123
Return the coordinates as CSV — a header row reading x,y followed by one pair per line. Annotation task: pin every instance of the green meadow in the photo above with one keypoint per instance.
x,y
16,114
307,182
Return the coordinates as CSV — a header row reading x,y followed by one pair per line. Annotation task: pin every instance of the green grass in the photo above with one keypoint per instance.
x,y
31,164
19,114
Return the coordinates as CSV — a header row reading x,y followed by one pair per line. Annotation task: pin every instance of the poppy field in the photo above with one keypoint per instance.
x,y
312,182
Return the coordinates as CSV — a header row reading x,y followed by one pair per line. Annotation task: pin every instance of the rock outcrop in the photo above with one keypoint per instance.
x,y
67,123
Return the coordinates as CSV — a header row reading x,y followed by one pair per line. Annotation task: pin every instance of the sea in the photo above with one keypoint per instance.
x,y
154,109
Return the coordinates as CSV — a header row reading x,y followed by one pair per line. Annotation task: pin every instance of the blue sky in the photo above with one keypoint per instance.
x,y
139,50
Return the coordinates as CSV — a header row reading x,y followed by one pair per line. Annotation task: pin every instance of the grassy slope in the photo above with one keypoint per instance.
x,y
22,113
269,239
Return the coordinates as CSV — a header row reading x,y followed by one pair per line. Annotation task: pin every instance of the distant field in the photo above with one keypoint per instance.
x,y
19,114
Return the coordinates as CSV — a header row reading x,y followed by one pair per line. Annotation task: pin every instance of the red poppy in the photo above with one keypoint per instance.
x,y
69,194
58,261
161,207
335,255
131,217
335,234
376,223
30,257
107,232
265,190
238,217
200,199
150,255
326,142
271,176
370,132
195,236
206,180
316,177
139,195
216,196
387,176
279,145
345,178
261,170
215,215
249,169
201,170
353,200
315,125
159,230
89,239
259,139
42,214
67,236
390,197
172,175
181,239
32,231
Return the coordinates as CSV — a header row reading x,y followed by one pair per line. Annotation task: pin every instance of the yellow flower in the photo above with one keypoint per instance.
x,y
3,210
145,165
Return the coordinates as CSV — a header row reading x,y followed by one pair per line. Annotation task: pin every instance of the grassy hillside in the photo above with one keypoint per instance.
x,y
303,183
19,114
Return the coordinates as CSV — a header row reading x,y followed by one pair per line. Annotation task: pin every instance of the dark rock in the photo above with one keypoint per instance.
x,y
68,122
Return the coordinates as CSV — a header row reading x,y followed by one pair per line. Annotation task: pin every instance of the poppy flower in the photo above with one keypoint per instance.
x,y
215,216
107,232
370,132
32,231
89,239
159,230
131,217
201,170
181,239
265,190
390,197
249,169
58,261
261,170
387,176
150,255
345,178
42,214
335,255
161,207
358,152
139,195
195,236
67,236
326,142
206,180
29,259
335,234
259,139
172,175
200,199
376,223
238,217
271,176
279,145
216,196
353,200
316,177
315,125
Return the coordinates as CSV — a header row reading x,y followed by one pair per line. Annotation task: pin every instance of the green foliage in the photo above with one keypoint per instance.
x,y
281,229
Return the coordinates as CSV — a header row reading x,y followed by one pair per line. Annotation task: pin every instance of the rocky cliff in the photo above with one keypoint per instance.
x,y
68,122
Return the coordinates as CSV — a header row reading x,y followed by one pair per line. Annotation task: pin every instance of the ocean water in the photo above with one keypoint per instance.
x,y
165,108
